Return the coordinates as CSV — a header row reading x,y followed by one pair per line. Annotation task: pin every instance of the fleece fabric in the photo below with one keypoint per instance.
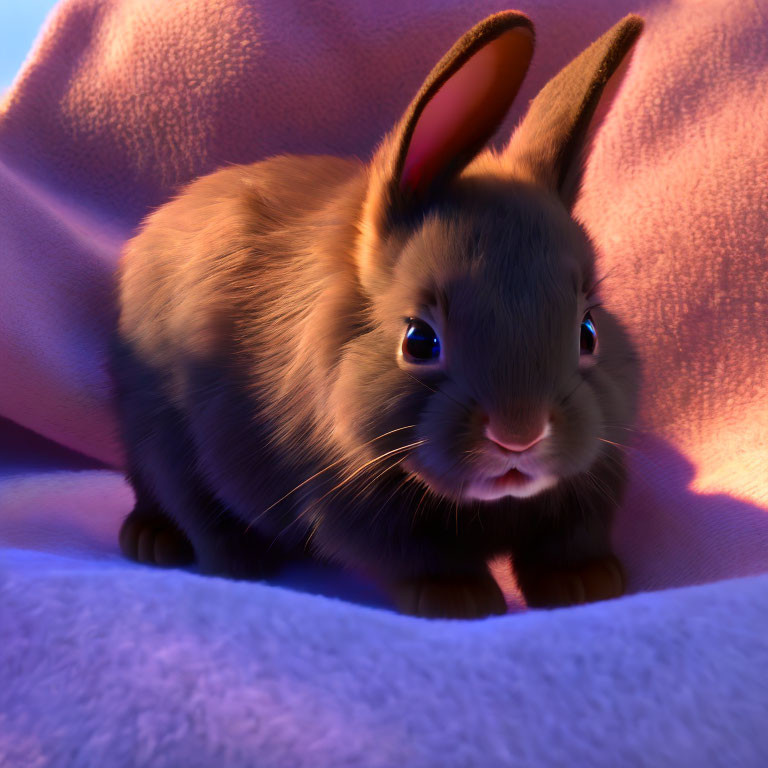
x,y
103,662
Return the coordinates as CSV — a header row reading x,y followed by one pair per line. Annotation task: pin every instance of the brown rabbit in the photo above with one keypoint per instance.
x,y
401,367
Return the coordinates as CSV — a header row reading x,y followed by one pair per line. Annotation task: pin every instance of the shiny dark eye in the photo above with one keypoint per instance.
x,y
420,344
588,339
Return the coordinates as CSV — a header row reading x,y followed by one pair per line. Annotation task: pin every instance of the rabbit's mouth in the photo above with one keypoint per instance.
x,y
513,478
513,482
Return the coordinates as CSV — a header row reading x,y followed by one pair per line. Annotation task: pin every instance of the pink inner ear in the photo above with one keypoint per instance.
x,y
467,109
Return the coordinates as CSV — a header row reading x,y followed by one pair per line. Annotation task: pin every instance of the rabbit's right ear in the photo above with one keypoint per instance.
x,y
550,144
458,108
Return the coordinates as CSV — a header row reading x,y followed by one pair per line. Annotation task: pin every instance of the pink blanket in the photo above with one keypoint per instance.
x,y
122,101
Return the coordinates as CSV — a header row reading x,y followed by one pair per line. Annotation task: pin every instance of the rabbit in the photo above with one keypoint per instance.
x,y
400,367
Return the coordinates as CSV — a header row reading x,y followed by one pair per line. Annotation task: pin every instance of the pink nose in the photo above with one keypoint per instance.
x,y
517,447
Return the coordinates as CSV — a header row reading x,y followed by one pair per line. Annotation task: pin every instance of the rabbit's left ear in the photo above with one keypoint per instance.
x,y
458,108
550,143
462,102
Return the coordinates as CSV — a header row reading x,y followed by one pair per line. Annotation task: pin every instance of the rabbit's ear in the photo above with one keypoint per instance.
x,y
550,144
459,107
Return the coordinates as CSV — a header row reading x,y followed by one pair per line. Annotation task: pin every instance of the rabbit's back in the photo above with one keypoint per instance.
x,y
240,233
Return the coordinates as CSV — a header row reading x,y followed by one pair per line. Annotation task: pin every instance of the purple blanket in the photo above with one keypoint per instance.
x,y
104,662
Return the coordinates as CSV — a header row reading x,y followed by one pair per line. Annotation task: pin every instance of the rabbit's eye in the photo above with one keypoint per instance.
x,y
588,339
420,344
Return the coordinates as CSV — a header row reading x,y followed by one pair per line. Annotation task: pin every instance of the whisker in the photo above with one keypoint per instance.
x,y
477,515
315,527
389,498
317,474
384,455
577,496
622,426
568,396
610,442
346,481
370,482
617,461
418,506
599,486
419,381
437,391
458,496
593,288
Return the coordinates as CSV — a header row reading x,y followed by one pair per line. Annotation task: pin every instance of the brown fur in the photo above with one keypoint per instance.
x,y
264,402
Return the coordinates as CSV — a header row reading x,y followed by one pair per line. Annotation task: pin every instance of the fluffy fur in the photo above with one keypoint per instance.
x,y
264,400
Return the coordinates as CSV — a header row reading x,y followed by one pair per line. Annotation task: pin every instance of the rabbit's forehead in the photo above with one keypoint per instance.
x,y
496,253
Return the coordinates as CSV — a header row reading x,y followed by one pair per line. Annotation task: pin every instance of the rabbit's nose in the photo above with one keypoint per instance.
x,y
517,443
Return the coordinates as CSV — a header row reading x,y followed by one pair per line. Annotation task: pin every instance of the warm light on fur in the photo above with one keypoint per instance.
x,y
264,404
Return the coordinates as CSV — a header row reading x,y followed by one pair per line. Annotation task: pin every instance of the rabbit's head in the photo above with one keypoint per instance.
x,y
489,367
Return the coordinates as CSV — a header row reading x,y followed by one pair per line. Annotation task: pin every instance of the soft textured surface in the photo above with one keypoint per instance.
x,y
105,663
249,675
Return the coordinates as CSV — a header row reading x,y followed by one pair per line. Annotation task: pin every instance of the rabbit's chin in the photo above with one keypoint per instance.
x,y
512,483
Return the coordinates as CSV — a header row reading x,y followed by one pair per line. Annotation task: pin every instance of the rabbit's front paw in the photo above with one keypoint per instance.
x,y
152,538
599,579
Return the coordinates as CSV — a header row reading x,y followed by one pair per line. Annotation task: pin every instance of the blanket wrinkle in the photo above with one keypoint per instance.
x,y
104,662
